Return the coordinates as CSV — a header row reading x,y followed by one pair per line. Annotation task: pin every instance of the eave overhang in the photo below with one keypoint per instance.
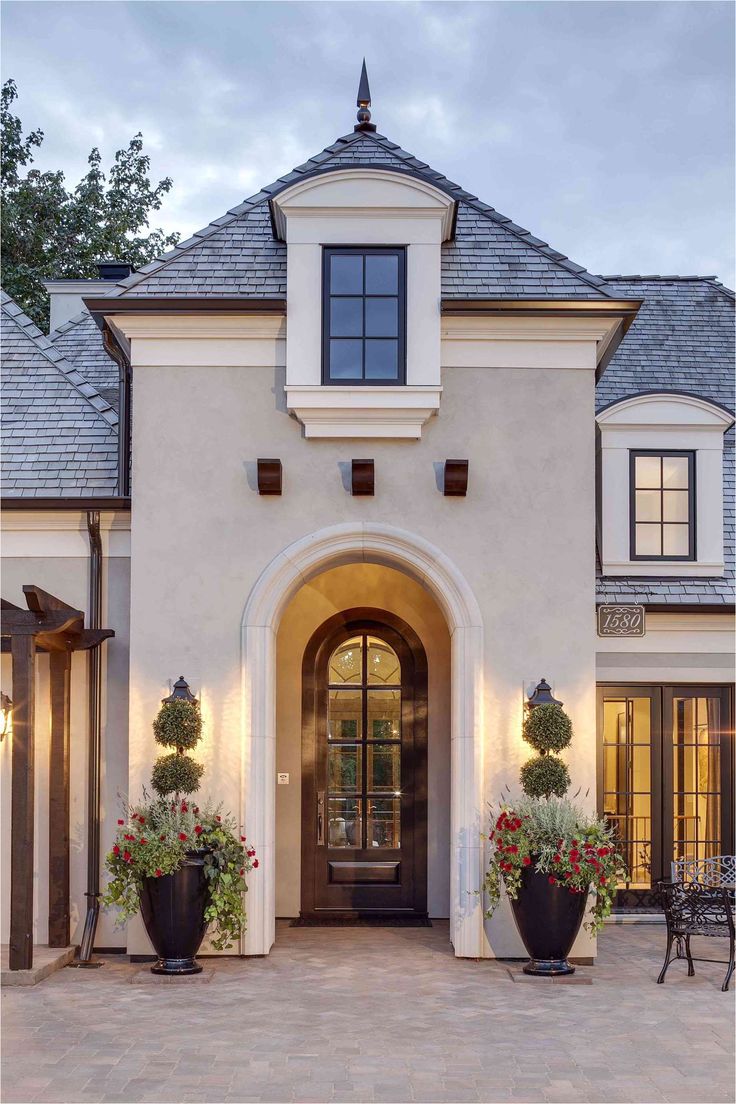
x,y
182,304
620,313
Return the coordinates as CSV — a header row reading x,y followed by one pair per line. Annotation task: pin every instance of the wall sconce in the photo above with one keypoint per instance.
x,y
181,692
541,695
7,715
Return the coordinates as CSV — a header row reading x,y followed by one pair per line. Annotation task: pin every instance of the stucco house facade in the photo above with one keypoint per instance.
x,y
368,460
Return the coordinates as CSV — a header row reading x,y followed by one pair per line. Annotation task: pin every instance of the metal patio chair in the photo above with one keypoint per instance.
x,y
718,871
693,908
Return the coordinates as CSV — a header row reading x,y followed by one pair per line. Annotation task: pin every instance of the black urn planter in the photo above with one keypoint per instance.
x,y
548,918
172,908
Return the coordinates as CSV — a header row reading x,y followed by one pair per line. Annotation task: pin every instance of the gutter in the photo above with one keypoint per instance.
x,y
94,707
9,502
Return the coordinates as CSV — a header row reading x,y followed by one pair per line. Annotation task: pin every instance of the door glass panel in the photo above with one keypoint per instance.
x,y
384,715
384,668
384,822
345,821
344,715
346,663
627,782
696,751
345,768
384,768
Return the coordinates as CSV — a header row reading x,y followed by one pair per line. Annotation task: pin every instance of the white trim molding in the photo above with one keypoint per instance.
x,y
363,542
363,411
662,420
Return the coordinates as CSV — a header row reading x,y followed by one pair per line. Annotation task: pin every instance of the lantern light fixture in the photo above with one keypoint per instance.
x,y
542,695
180,692
6,706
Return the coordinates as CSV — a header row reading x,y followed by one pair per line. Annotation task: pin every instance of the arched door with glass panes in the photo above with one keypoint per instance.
x,y
665,779
364,750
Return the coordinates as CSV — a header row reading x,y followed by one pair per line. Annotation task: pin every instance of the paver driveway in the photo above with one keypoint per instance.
x,y
375,1015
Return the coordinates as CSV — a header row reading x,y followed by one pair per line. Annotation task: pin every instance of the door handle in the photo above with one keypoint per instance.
x,y
320,818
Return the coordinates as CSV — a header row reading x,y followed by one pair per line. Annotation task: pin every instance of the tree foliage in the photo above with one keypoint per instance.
x,y
50,232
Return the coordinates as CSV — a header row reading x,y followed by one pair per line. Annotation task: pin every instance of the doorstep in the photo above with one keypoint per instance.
x,y
46,961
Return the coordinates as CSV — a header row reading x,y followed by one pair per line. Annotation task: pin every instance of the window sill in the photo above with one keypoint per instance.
x,y
664,569
383,412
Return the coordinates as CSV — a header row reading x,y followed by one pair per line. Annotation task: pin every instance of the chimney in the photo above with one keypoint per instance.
x,y
66,295
114,270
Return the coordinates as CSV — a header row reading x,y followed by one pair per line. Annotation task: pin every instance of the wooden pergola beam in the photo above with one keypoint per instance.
x,y
60,668
23,650
53,626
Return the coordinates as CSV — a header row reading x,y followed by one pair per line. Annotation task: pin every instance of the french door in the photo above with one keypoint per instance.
x,y
665,778
364,750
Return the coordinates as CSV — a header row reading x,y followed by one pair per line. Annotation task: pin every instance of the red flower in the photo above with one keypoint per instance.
x,y
182,835
121,822
143,841
162,837
551,880
126,856
568,873
116,850
142,819
218,819
242,839
602,851
559,843
526,860
184,807
242,871
127,837
195,810
602,879
251,853
574,843
512,849
198,829
557,858
159,872
574,855
255,864
576,868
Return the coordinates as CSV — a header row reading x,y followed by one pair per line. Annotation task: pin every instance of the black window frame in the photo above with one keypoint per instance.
x,y
329,251
691,517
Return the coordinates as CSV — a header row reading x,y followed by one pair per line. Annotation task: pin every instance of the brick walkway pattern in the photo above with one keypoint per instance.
x,y
376,1015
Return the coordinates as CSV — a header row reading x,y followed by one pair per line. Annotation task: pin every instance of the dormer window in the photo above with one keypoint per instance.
x,y
364,315
662,505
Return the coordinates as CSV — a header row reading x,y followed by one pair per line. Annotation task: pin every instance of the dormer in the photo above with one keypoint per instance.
x,y
363,300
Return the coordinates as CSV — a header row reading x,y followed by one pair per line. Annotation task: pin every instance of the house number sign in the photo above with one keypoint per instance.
x,y
621,621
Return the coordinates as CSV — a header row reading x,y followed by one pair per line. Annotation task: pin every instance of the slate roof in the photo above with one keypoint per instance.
x,y
491,256
681,340
59,433
79,341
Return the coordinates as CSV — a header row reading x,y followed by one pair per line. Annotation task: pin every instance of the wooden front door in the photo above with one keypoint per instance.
x,y
364,768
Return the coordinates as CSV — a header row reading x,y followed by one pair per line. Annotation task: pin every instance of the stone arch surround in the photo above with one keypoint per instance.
x,y
284,575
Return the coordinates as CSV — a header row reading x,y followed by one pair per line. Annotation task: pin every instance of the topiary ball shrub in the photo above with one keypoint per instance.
x,y
178,724
547,728
545,775
176,774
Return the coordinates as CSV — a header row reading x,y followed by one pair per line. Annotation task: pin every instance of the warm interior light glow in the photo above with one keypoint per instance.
x,y
7,719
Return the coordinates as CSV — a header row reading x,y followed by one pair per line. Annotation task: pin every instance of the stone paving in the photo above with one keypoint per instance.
x,y
375,1015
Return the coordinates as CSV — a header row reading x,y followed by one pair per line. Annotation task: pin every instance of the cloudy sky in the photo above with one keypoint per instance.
x,y
604,128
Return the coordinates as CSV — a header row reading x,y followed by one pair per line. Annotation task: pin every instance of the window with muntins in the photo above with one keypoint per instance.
x,y
662,490
364,315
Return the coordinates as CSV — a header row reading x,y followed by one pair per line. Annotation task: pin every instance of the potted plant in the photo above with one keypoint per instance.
x,y
183,867
548,854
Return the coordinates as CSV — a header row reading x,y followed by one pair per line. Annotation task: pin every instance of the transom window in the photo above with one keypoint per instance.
x,y
663,505
364,309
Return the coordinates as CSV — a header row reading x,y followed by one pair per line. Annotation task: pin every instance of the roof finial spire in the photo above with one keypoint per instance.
x,y
364,103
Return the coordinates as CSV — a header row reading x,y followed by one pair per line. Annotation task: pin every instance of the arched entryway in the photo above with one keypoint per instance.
x,y
287,572
364,768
